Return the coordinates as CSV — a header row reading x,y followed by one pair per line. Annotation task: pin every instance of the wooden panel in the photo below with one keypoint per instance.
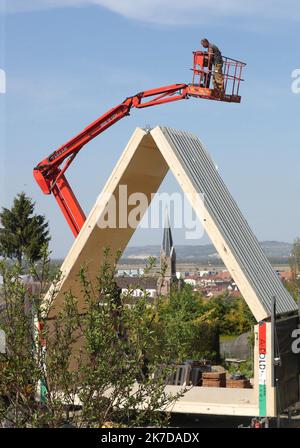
x,y
141,168
210,226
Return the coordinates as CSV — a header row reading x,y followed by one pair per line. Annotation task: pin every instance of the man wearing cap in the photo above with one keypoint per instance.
x,y
217,61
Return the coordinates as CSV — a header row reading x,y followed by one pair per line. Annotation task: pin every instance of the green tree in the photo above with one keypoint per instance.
x,y
183,326
91,365
294,260
232,315
293,284
23,233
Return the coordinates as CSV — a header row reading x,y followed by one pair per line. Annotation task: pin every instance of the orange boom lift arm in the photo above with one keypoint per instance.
x,y
50,172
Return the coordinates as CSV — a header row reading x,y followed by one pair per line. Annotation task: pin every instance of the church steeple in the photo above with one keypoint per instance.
x,y
167,258
167,243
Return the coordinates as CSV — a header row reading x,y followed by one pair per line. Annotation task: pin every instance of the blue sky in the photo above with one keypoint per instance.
x,y
69,61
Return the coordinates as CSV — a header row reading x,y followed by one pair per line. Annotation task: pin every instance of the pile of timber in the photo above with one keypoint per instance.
x,y
214,379
238,384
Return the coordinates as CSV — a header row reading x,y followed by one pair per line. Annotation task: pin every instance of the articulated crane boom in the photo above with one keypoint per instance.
x,y
50,172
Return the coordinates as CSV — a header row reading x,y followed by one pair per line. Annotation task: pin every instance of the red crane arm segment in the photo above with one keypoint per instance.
x,y
50,175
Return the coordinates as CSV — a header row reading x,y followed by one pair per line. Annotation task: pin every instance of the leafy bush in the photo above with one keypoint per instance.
x,y
94,368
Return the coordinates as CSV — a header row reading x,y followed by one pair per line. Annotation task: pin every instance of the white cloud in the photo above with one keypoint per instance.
x,y
172,11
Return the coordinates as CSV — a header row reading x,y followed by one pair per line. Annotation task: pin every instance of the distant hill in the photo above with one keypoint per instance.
x,y
276,251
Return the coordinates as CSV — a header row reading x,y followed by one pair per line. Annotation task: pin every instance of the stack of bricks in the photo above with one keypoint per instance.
x,y
214,379
238,384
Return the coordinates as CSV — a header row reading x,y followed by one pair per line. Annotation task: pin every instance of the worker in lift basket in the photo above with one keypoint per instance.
x,y
217,60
